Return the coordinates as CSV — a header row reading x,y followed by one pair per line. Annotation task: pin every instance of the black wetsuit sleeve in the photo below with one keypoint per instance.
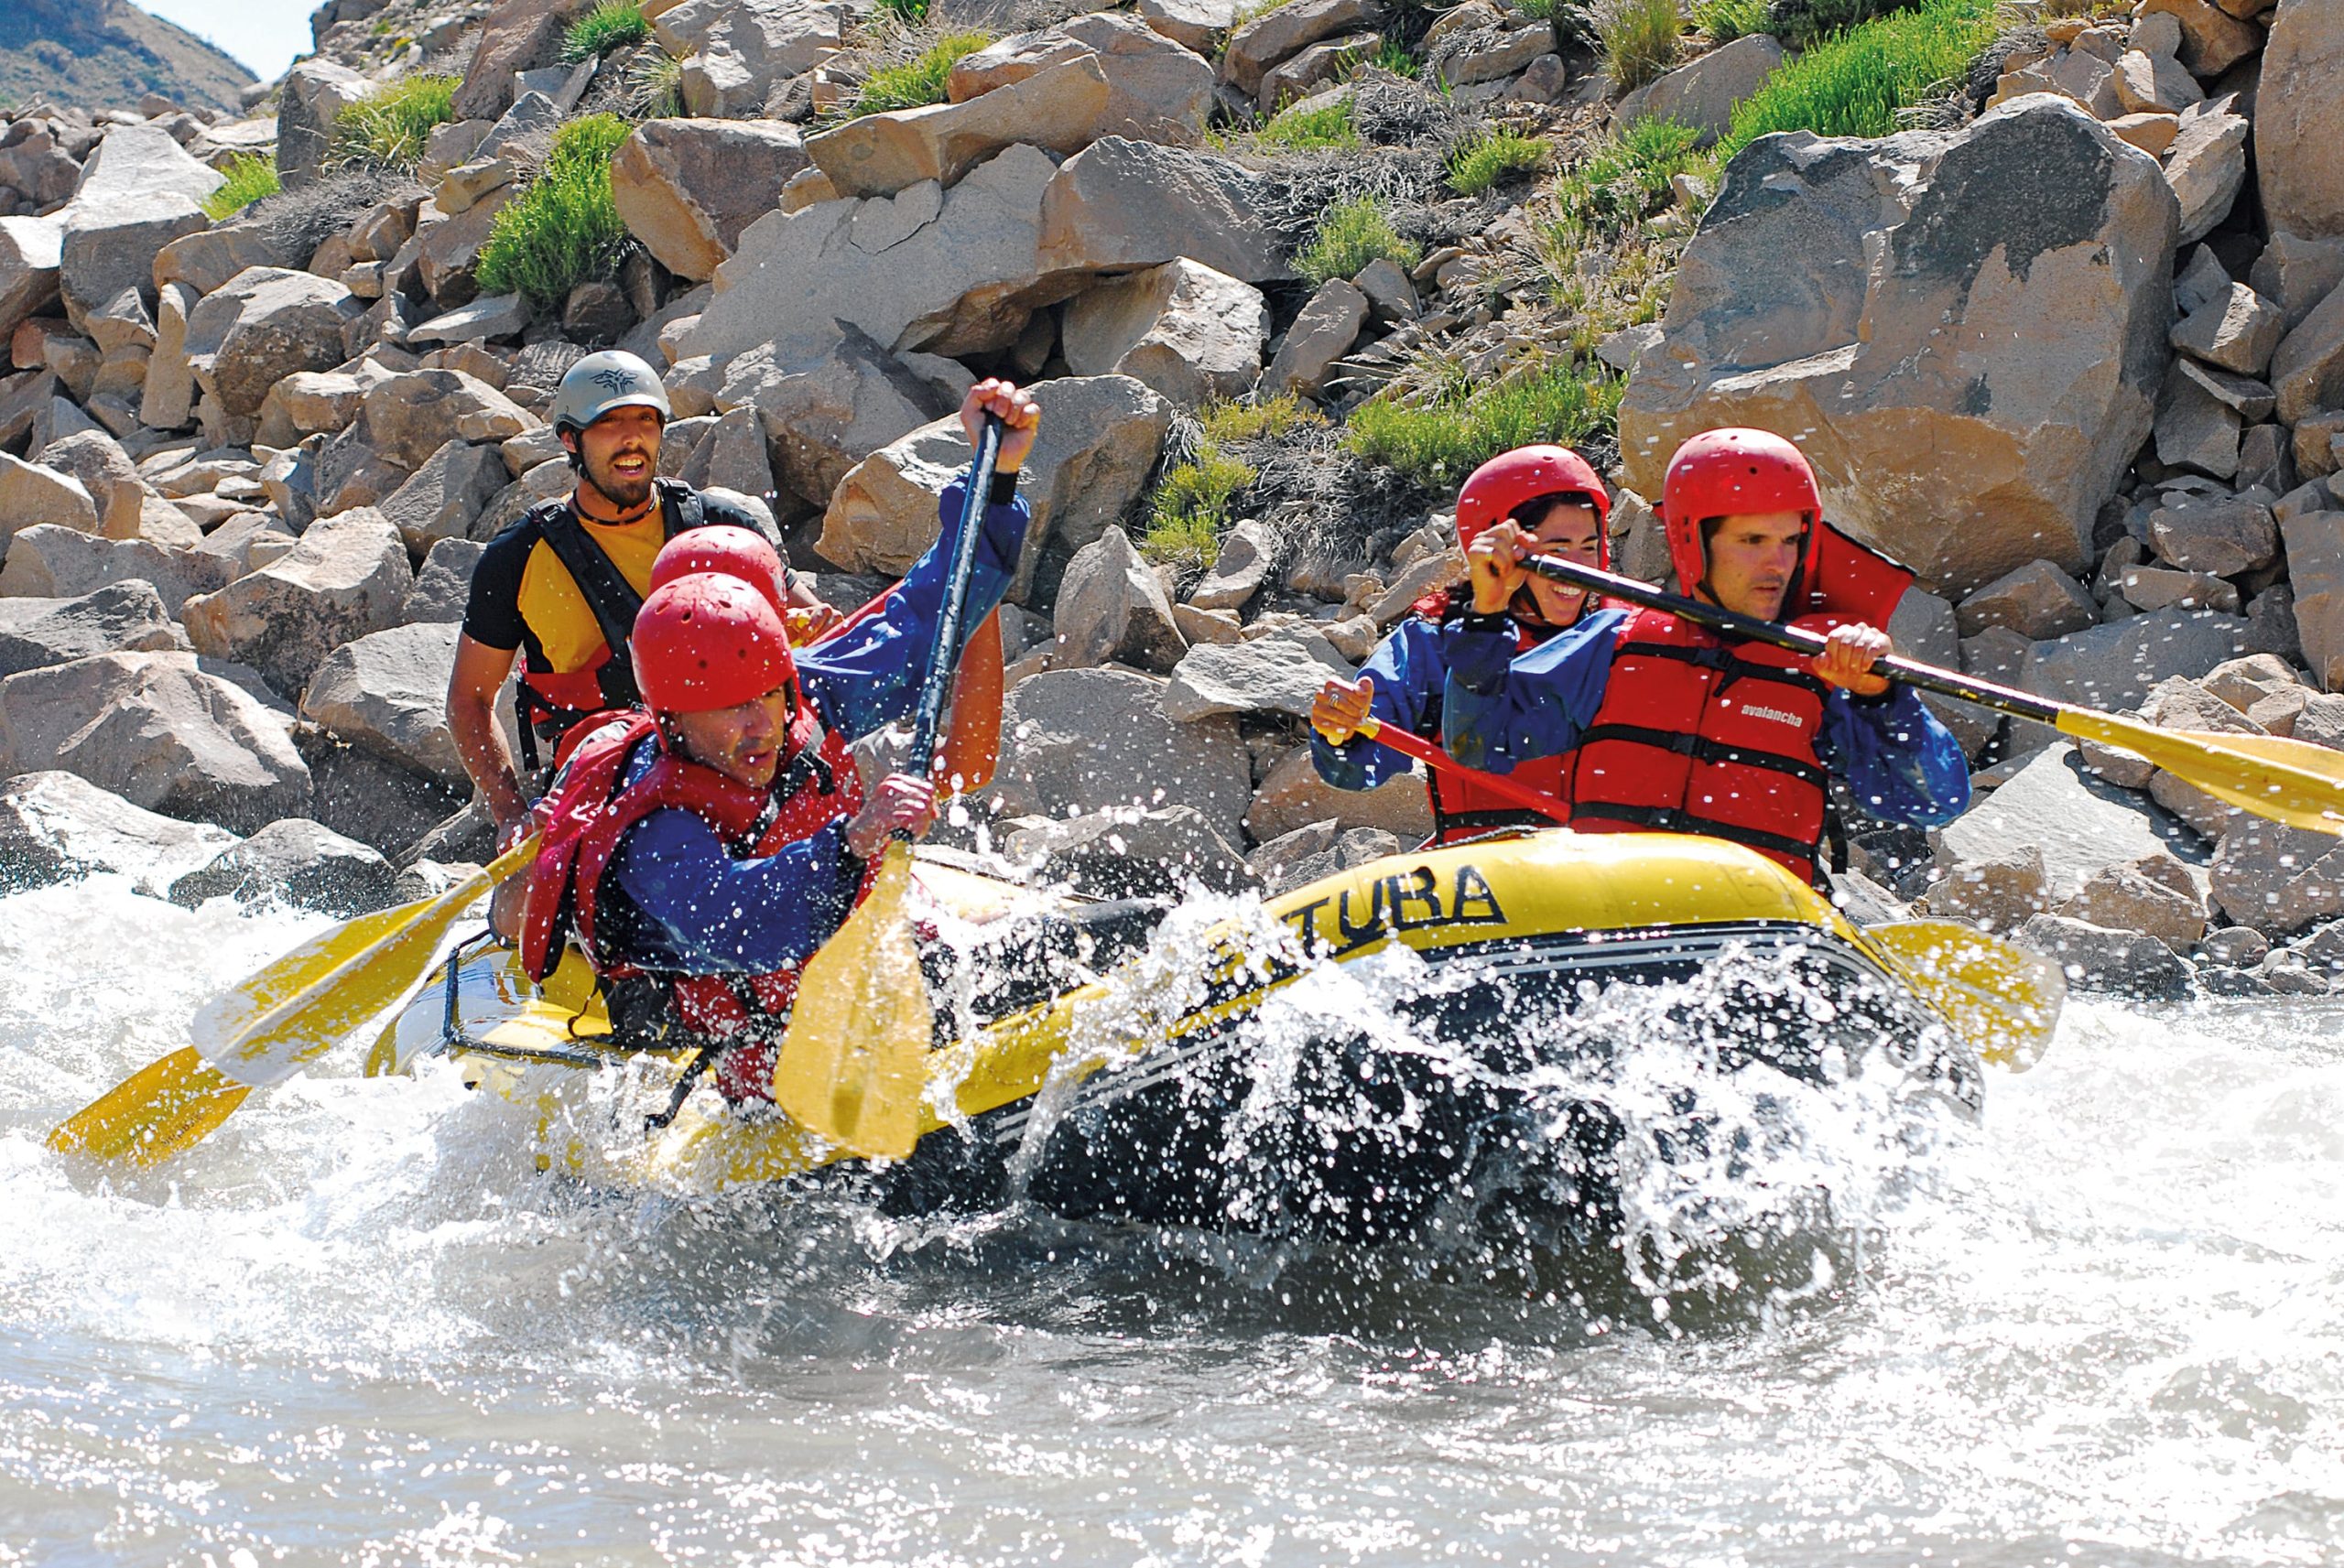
x,y
492,612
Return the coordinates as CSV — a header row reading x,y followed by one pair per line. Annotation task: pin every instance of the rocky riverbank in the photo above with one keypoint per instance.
x,y
2073,346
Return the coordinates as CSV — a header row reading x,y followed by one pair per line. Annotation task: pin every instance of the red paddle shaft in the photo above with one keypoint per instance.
x,y
1432,756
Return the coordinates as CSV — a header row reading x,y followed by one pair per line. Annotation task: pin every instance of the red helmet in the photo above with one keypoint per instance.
x,y
1513,479
706,642
729,550
1734,473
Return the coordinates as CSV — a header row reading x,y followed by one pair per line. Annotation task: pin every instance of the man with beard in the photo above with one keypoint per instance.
x,y
559,588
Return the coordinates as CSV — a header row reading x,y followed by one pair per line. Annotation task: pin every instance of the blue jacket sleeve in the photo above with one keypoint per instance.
x,y
1408,671
1502,707
1900,763
699,911
869,675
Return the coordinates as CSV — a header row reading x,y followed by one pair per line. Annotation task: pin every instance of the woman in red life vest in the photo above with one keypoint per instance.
x,y
1669,725
700,852
1548,497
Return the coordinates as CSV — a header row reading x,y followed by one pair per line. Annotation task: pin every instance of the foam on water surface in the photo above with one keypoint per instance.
x,y
2106,1324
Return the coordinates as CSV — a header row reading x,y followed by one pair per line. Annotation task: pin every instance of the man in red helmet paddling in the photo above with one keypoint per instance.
x,y
700,852
1671,727
1548,496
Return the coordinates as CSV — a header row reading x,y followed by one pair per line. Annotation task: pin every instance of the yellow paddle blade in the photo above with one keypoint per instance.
x,y
2287,780
162,1108
274,1023
2002,998
853,1064
305,1003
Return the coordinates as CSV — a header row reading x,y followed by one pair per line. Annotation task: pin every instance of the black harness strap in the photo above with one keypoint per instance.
x,y
1724,658
1703,749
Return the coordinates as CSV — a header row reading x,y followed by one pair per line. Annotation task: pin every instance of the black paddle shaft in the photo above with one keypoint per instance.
x,y
942,658
1798,639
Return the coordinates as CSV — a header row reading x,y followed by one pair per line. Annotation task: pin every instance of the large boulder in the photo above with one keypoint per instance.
x,y
32,496
1099,440
1196,25
345,577
1059,108
1122,204
1280,673
121,493
442,498
2039,841
1281,33
56,826
2314,542
2206,165
1094,739
1112,608
2299,121
736,51
265,324
826,406
210,257
1129,852
2113,667
1191,333
411,416
1991,303
443,585
110,245
953,271
388,692
54,562
143,160
1329,324
1703,94
120,617
2278,879
687,188
297,862
2307,367
160,731
313,96
516,36
1158,90
2107,959
30,249
1293,795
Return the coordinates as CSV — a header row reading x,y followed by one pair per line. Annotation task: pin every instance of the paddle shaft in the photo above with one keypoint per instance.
x,y
1432,756
927,717
1798,639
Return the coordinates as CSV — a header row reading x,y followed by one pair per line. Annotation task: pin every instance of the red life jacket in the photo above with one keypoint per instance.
x,y
586,815
1461,807
1697,735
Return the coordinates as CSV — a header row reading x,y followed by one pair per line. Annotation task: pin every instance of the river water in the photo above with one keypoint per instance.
x,y
2104,1326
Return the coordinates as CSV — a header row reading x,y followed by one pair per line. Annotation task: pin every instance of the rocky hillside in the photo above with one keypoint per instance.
x,y
109,54
2051,302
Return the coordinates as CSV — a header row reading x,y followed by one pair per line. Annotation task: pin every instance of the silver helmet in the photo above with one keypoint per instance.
x,y
604,380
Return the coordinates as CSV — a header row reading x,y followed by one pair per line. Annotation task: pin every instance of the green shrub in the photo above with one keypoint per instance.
x,y
911,13
654,86
1853,84
564,230
1266,420
612,24
1436,444
917,83
1481,161
1803,24
1350,235
390,124
1726,20
1393,57
250,177
1311,130
1639,40
1623,180
1191,508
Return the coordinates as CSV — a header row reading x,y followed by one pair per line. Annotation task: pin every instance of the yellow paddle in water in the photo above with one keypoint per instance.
x,y
277,1023
2285,780
853,1061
